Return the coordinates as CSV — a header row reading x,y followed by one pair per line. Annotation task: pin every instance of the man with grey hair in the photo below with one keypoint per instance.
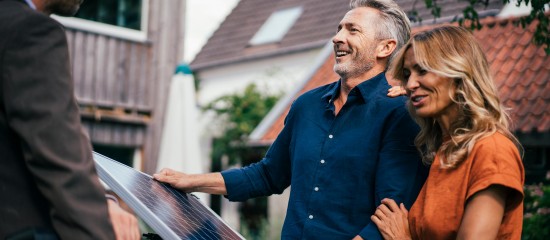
x,y
393,23
345,146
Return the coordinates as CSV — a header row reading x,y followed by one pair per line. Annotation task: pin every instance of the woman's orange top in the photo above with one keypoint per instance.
x,y
437,212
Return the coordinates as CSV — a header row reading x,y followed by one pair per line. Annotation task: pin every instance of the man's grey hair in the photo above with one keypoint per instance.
x,y
392,24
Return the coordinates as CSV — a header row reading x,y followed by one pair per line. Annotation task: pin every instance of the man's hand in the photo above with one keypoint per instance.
x,y
392,220
176,179
125,224
212,183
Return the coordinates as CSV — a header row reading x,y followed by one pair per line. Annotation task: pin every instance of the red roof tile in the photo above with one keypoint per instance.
x,y
517,51
521,66
529,74
507,66
521,72
534,91
511,78
545,121
525,40
539,106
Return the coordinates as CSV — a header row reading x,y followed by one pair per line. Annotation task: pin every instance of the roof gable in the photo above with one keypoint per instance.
x,y
315,26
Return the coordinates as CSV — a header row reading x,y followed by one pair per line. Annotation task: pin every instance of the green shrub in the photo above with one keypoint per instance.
x,y
265,231
536,220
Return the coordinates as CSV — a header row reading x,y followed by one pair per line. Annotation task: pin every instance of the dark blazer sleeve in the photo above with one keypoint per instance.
x,y
42,111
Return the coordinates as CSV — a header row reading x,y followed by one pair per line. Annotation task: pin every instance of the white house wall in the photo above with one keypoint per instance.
x,y
273,74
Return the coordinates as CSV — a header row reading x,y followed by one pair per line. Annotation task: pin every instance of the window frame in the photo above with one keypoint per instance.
x,y
140,36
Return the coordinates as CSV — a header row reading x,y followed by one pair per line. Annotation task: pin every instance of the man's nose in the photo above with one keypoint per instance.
x,y
338,37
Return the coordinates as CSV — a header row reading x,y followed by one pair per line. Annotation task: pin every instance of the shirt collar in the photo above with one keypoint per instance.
x,y
31,4
333,92
366,89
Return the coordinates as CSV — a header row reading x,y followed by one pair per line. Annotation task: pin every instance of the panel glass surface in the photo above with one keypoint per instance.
x,y
171,213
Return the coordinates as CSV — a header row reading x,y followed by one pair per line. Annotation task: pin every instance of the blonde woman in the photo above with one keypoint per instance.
x,y
475,186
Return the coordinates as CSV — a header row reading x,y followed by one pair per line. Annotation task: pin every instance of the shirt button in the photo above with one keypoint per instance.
x,y
330,136
316,189
310,216
322,161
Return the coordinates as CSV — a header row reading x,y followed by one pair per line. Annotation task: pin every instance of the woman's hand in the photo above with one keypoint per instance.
x,y
392,220
396,91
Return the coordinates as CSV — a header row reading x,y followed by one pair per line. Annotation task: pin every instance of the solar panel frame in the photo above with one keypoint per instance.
x,y
206,223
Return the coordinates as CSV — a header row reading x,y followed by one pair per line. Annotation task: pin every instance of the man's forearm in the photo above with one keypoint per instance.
x,y
212,183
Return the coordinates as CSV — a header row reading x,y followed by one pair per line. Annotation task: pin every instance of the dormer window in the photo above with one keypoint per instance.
x,y
276,26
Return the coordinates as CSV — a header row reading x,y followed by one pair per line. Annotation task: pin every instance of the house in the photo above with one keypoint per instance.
x,y
522,74
124,54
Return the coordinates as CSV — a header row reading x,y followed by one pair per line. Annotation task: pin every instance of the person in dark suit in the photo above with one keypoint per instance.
x,y
49,188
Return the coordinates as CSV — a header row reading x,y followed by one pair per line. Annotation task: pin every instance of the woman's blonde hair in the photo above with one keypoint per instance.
x,y
453,52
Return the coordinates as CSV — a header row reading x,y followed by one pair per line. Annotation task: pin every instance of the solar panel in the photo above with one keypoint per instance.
x,y
171,213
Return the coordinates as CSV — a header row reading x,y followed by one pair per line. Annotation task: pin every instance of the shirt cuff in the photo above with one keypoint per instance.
x,y
235,184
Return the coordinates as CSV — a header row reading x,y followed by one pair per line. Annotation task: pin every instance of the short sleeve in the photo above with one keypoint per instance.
x,y
496,161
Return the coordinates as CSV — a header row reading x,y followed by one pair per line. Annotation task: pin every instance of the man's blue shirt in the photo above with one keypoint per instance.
x,y
340,167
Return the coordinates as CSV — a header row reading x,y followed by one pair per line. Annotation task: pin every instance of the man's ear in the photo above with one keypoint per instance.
x,y
386,47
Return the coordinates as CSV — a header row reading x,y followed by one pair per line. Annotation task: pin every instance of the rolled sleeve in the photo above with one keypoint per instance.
x,y
236,184
502,167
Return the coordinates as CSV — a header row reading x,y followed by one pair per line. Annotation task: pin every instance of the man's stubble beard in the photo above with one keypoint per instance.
x,y
355,67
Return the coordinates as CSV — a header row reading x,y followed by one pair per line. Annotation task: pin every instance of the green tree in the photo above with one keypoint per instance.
x,y
238,114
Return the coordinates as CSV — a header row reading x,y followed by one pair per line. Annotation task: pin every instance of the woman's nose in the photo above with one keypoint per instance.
x,y
412,83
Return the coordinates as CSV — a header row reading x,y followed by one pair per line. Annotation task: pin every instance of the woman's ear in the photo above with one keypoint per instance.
x,y
386,47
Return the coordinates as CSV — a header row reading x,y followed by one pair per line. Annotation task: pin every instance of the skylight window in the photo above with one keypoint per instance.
x,y
276,26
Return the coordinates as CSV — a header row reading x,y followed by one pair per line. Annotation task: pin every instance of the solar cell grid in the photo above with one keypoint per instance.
x,y
171,213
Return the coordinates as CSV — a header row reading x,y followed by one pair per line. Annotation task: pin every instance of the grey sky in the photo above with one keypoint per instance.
x,y
203,18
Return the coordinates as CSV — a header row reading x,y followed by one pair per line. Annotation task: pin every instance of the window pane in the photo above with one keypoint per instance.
x,y
122,13
276,26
